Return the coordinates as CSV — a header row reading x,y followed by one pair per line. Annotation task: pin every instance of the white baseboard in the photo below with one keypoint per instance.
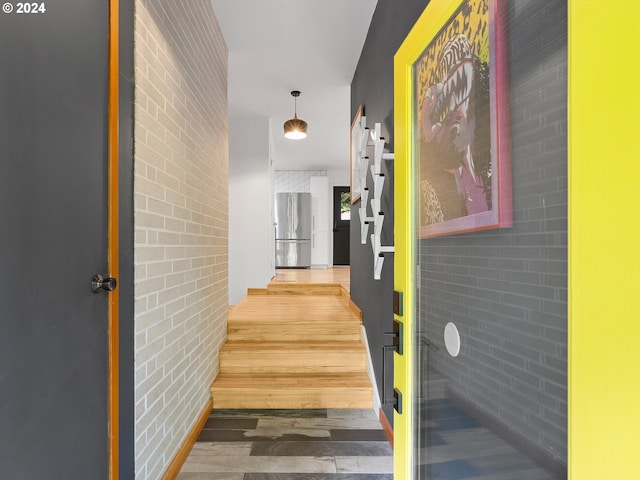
x,y
372,377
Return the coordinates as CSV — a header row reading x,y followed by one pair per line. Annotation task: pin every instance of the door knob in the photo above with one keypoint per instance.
x,y
100,282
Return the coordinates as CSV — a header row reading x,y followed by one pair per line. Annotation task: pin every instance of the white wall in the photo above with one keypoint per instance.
x,y
339,178
251,232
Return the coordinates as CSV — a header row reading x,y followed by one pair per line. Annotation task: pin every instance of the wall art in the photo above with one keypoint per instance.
x,y
461,134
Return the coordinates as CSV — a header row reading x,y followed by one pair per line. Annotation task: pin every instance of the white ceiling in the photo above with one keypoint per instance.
x,y
276,46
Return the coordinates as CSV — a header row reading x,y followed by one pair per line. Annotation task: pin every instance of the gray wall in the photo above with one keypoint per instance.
x,y
372,87
507,289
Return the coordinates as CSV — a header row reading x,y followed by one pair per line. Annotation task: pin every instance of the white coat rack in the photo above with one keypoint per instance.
x,y
372,138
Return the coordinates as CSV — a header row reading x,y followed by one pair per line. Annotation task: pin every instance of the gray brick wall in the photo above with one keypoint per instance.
x,y
506,290
372,86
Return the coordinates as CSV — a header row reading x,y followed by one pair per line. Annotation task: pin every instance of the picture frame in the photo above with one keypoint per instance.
x,y
355,157
456,101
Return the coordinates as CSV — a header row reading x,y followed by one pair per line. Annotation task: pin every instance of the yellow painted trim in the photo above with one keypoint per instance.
x,y
425,29
604,239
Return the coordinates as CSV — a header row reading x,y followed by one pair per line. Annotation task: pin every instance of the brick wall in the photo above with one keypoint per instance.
x,y
181,221
506,290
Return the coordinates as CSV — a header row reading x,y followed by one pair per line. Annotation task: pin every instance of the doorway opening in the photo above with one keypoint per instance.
x,y
341,225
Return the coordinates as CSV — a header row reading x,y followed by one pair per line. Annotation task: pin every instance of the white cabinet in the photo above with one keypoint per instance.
x,y
320,223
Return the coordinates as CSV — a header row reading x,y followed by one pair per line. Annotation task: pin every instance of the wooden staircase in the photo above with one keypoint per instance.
x,y
293,346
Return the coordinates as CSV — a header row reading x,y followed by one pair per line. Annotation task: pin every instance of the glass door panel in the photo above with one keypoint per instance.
x,y
489,174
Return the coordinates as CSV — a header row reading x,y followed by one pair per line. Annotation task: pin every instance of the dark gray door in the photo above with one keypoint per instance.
x,y
341,225
53,239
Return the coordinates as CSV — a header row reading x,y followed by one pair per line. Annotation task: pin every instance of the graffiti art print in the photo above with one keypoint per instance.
x,y
461,129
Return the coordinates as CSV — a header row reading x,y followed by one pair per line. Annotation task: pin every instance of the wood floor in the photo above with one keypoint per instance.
x,y
340,275
294,345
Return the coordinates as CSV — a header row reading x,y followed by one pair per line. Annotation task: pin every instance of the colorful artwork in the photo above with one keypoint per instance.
x,y
463,184
356,155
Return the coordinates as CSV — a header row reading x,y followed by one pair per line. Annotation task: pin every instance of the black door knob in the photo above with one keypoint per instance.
x,y
103,282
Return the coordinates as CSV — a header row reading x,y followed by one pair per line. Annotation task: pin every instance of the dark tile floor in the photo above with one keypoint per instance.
x,y
290,445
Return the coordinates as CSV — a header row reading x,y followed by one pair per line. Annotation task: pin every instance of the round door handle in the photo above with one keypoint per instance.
x,y
103,282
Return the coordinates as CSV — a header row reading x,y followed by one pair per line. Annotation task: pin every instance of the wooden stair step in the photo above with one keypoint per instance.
x,y
294,345
292,357
301,308
346,390
304,289
273,331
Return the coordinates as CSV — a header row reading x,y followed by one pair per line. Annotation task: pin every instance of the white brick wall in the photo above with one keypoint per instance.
x,y
181,221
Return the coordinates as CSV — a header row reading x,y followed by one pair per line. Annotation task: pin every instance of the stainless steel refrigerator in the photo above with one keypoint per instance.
x,y
293,230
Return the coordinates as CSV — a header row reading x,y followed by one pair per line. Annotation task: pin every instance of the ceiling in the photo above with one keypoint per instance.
x,y
276,46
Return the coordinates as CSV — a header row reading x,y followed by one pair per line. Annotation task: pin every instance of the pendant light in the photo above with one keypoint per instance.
x,y
295,128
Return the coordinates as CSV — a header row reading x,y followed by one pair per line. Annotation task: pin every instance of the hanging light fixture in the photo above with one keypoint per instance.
x,y
295,128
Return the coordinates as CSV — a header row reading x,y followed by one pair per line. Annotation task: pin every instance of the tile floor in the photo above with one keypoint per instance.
x,y
315,444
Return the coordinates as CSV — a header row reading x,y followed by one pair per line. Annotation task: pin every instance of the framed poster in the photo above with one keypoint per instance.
x,y
460,124
357,130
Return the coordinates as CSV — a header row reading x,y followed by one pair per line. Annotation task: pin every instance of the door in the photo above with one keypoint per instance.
x,y
341,222
484,375
53,239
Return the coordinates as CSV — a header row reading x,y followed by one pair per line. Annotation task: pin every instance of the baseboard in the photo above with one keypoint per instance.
x,y
386,426
370,372
346,298
177,462
513,438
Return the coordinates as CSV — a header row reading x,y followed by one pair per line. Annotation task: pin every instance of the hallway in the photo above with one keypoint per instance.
x,y
134,152
288,444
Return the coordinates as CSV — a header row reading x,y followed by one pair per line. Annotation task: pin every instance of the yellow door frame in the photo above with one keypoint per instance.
x,y
604,235
421,34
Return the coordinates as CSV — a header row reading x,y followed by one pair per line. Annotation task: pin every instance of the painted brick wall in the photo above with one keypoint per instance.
x,y
181,221
372,86
506,290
